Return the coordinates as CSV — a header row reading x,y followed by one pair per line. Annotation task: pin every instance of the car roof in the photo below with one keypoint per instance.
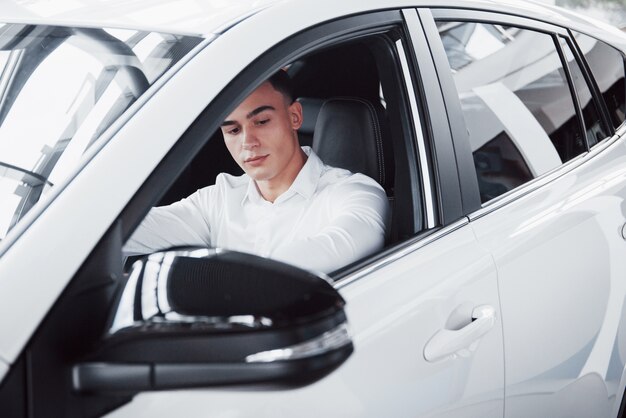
x,y
207,17
191,17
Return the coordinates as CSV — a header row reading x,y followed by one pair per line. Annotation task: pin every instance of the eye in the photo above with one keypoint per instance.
x,y
233,131
262,121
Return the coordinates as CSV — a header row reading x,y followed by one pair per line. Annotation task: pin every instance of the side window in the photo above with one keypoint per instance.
x,y
607,67
591,116
350,96
516,100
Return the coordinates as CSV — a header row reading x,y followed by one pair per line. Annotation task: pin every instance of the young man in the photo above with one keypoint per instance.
x,y
288,205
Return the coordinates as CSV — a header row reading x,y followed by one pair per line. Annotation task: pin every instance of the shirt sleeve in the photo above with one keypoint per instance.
x,y
182,223
359,217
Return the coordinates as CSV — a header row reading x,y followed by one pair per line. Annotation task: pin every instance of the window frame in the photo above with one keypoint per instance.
x,y
454,107
591,81
572,87
447,200
243,84
452,151
595,97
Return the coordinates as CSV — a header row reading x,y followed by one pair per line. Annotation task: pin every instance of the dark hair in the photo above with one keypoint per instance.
x,y
281,82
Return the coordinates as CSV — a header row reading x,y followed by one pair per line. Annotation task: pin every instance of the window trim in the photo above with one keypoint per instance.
x,y
399,251
441,147
466,15
591,81
425,166
591,84
572,87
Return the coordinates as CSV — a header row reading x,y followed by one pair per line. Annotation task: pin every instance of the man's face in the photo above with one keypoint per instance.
x,y
261,135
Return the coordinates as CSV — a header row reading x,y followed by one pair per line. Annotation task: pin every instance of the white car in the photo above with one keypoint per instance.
x,y
495,128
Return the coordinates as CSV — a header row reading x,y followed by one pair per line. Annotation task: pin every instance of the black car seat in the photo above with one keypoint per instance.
x,y
352,133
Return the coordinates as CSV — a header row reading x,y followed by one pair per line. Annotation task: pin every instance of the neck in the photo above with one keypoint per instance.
x,y
273,188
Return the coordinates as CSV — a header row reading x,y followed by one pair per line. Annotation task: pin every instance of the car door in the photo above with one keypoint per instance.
x,y
552,208
424,313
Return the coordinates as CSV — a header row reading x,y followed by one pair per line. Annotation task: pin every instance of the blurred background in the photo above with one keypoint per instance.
x,y
611,11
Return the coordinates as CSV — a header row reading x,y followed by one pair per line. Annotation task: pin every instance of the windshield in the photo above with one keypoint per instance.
x,y
60,88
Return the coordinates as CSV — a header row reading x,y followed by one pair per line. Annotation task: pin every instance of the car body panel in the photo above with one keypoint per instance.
x,y
181,16
554,364
423,294
563,312
205,18
429,288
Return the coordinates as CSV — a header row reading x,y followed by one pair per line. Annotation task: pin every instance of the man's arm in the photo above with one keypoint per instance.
x,y
179,224
360,213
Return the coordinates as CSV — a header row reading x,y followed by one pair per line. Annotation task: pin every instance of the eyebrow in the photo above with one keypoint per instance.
x,y
250,115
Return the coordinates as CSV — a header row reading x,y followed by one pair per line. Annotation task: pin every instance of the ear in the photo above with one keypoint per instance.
x,y
295,115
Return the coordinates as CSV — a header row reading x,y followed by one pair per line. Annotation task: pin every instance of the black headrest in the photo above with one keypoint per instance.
x,y
349,133
310,109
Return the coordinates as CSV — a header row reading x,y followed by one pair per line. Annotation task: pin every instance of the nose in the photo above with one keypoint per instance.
x,y
249,139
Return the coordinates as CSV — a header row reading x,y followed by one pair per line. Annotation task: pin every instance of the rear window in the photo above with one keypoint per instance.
x,y
607,67
516,100
60,89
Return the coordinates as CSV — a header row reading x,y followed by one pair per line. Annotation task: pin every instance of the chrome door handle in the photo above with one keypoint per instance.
x,y
448,342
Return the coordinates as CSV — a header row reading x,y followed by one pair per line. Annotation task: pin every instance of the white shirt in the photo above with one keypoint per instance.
x,y
327,219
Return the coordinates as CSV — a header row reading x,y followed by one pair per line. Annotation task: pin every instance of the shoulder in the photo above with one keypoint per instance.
x,y
339,178
225,185
342,185
225,181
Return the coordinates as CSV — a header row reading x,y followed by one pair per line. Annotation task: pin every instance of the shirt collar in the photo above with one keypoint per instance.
x,y
304,184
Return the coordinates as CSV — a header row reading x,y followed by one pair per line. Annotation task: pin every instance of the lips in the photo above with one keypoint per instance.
x,y
255,160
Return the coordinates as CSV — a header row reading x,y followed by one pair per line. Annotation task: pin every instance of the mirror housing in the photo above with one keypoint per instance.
x,y
205,317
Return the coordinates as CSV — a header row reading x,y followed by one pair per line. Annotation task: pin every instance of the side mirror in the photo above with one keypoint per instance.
x,y
206,317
